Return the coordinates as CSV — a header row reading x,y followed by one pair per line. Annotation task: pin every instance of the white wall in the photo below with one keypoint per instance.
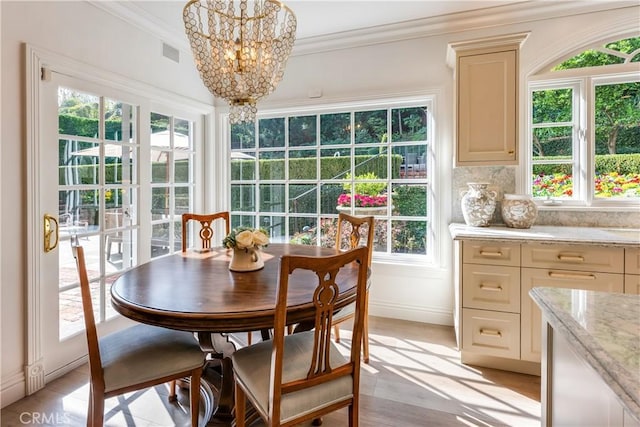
x,y
415,66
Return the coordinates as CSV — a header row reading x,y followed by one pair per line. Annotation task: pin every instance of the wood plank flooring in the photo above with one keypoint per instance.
x,y
415,378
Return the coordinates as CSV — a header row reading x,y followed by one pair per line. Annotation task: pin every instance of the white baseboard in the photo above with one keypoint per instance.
x,y
50,376
13,389
412,313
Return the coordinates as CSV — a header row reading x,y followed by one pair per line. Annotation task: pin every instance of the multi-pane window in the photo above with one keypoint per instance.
x,y
293,173
172,180
97,197
584,129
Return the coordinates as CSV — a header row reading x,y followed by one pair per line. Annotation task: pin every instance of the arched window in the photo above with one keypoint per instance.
x,y
584,129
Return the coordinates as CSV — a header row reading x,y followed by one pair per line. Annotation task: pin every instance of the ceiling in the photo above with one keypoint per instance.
x,y
335,22
320,18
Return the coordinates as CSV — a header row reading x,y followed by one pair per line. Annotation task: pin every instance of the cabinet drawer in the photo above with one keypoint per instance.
x,y
491,333
576,258
632,284
632,260
493,253
491,288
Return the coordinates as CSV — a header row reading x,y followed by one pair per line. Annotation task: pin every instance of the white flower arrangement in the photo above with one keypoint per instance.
x,y
246,238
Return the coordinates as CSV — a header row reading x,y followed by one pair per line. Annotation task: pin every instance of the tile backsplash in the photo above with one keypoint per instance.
x,y
502,179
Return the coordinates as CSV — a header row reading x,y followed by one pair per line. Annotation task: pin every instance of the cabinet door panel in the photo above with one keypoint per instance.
x,y
487,113
632,261
632,284
530,313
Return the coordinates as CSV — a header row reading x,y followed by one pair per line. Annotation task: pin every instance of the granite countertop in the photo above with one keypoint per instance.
x,y
625,237
604,329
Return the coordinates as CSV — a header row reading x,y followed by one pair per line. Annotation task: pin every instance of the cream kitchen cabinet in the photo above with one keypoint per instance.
x,y
591,268
486,73
499,325
489,307
491,299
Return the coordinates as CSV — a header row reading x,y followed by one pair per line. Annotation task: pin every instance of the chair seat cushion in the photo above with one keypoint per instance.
x,y
349,311
252,367
344,313
142,353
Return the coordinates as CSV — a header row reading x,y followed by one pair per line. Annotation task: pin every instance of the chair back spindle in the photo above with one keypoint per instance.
x,y
360,227
206,229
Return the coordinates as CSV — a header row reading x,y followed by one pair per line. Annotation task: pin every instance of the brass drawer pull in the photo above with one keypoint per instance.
x,y
572,258
491,333
490,287
491,254
576,276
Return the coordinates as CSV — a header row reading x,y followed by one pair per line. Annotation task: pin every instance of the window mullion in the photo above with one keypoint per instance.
x,y
587,133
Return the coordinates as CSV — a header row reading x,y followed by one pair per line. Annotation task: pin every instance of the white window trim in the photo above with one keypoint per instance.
x,y
583,80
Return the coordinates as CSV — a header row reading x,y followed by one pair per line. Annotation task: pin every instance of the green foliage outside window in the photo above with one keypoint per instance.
x,y
301,166
616,122
599,57
365,188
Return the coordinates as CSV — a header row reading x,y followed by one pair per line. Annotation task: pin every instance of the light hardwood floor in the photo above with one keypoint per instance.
x,y
415,378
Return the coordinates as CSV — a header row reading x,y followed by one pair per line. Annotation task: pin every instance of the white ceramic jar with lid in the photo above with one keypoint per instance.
x,y
519,210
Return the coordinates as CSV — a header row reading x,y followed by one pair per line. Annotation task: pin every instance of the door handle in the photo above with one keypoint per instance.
x,y
491,287
492,254
576,276
571,258
50,230
491,333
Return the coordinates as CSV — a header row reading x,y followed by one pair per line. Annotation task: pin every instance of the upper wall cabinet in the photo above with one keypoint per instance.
x,y
486,75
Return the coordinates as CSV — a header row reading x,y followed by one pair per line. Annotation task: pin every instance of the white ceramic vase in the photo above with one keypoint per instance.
x,y
246,260
478,204
519,211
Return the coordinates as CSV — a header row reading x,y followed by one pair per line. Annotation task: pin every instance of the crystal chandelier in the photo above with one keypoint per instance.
x,y
240,57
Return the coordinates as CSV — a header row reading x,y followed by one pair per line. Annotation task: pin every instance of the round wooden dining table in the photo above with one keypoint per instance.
x,y
197,292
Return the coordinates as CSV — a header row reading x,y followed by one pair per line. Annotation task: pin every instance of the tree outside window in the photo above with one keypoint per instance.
x,y
585,128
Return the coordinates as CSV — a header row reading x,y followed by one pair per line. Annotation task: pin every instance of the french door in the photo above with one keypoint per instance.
x,y
89,185
113,166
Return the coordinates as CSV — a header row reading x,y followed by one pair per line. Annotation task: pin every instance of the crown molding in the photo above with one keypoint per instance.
x,y
133,14
515,40
527,11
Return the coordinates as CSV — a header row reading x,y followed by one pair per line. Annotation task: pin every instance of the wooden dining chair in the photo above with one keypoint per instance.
x,y
360,226
294,378
206,232
135,358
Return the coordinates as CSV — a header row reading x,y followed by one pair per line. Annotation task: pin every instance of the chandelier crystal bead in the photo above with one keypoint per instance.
x,y
240,57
